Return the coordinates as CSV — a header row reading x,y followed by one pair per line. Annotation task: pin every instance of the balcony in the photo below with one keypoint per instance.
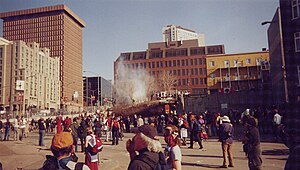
x,y
239,78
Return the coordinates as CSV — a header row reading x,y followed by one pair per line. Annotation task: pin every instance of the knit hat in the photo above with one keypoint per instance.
x,y
62,140
147,130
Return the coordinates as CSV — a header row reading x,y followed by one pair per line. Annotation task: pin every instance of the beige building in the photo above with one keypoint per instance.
x,y
60,30
177,33
29,77
236,72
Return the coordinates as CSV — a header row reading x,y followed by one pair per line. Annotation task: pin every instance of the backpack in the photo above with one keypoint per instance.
x,y
160,165
196,126
186,124
229,132
115,124
51,163
93,150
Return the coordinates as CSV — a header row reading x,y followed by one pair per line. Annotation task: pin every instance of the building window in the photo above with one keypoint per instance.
x,y
235,63
212,63
297,41
213,75
226,63
295,9
248,61
258,61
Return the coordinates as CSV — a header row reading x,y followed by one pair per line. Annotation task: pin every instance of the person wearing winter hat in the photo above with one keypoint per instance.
x,y
64,154
147,146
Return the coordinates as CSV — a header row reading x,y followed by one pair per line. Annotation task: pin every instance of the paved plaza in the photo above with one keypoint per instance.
x,y
27,154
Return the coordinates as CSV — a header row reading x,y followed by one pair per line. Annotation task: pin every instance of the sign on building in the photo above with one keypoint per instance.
x,y
20,85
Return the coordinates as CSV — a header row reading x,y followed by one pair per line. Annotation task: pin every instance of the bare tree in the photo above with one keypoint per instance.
x,y
167,81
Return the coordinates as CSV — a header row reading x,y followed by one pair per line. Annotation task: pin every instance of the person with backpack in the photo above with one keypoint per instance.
x,y
64,156
174,155
226,139
149,155
194,135
115,131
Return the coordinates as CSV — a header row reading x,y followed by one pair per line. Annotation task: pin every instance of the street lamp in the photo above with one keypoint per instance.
x,y
266,22
282,53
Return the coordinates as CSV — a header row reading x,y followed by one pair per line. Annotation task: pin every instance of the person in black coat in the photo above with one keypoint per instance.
x,y
252,141
82,133
290,135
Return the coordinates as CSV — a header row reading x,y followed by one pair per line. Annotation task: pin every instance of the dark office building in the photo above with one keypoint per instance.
x,y
284,49
97,91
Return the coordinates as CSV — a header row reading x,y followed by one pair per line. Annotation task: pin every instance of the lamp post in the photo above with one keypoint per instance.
x,y
286,96
65,98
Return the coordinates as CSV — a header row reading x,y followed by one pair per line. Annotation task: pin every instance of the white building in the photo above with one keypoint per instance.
x,y
178,33
29,77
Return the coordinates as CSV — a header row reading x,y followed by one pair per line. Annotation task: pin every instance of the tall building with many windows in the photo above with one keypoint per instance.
x,y
29,77
60,30
178,33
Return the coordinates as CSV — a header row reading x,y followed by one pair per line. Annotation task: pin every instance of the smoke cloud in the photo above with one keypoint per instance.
x,y
132,85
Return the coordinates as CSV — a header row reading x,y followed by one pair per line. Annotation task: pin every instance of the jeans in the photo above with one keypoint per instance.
x,y
41,137
76,143
22,133
16,133
82,143
7,134
227,151
1,134
115,136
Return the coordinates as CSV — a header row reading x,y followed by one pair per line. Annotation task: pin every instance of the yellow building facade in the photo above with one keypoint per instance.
x,y
236,72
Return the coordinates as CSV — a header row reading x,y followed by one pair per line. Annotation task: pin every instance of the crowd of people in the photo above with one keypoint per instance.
x,y
145,150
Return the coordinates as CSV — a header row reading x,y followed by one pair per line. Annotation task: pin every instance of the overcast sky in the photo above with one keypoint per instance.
x,y
115,26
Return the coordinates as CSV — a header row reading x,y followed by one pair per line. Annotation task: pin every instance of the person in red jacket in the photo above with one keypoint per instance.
x,y
58,125
67,123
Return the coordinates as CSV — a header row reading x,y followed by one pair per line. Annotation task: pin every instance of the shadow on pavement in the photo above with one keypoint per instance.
x,y
281,159
43,149
206,156
276,152
200,165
